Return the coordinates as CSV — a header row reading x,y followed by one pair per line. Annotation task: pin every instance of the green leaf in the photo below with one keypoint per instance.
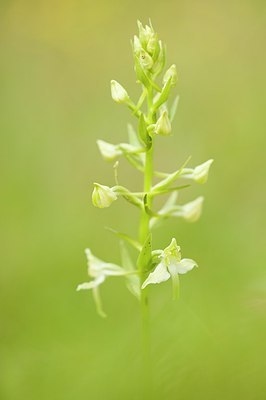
x,y
144,257
161,61
170,178
163,95
132,136
143,77
167,190
134,243
136,161
173,108
143,132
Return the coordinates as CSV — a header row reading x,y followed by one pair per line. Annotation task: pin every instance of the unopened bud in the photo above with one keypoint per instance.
x,y
145,59
102,196
201,172
192,210
163,125
119,94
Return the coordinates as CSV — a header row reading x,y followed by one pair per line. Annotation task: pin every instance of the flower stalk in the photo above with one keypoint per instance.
x,y
151,266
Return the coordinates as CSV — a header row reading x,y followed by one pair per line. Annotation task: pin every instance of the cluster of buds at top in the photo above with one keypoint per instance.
x,y
152,266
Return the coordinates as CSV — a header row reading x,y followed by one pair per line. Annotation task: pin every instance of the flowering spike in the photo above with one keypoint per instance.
x,y
151,266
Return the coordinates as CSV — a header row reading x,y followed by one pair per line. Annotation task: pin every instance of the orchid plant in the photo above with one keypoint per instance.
x,y
152,266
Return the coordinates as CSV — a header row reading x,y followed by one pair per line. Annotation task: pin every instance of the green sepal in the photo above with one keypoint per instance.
x,y
163,95
160,61
143,132
144,257
134,243
173,108
156,52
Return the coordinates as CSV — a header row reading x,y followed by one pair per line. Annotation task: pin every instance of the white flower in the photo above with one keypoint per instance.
x,y
163,125
190,211
103,196
171,266
199,173
99,271
119,94
108,151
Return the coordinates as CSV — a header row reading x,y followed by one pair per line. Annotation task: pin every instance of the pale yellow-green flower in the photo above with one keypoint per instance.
x,y
103,196
119,94
163,125
170,266
99,270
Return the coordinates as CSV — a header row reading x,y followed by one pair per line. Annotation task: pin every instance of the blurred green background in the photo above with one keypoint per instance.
x,y
57,58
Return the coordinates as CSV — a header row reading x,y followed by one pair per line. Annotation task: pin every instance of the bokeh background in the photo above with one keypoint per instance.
x,y
57,58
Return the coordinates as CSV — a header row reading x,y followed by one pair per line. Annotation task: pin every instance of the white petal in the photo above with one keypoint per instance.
x,y
92,284
185,265
112,270
201,172
192,210
160,274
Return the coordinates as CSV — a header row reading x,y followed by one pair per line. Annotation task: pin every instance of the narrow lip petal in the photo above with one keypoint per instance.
x,y
92,284
160,274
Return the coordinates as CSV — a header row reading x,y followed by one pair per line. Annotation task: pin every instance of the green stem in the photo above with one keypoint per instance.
x,y
144,231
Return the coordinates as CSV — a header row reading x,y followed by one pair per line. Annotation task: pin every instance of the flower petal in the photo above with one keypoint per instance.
x,y
92,284
185,265
160,274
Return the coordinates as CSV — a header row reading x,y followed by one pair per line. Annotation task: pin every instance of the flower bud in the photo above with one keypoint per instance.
x,y
192,210
108,151
145,59
136,45
119,94
102,196
163,125
201,172
171,73
144,34
152,44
